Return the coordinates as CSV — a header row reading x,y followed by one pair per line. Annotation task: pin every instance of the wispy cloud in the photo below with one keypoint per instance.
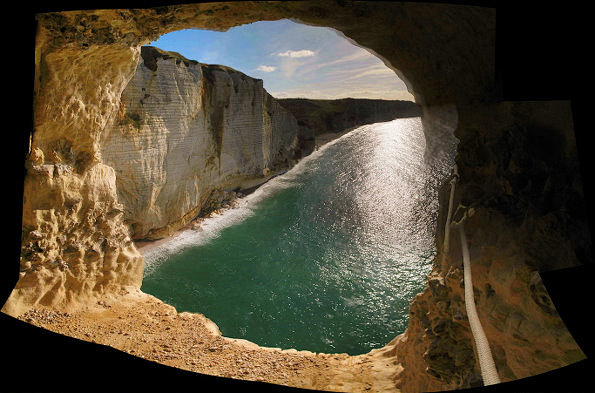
x,y
375,69
321,63
336,92
296,54
292,60
359,54
266,68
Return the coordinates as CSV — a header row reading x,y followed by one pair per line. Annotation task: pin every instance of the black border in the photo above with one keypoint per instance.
x,y
542,54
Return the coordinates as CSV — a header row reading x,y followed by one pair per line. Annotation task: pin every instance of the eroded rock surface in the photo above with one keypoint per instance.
x,y
143,326
523,199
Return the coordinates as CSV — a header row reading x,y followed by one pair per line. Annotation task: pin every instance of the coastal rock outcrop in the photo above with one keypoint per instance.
x,y
316,117
185,129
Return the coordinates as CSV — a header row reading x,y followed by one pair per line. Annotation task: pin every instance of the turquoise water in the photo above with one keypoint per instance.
x,y
325,258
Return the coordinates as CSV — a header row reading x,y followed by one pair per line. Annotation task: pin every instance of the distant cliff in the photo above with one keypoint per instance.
x,y
185,129
316,117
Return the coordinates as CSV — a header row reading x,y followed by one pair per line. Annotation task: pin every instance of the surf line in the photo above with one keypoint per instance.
x,y
489,373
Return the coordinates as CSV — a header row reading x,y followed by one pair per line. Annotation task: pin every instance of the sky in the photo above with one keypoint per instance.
x,y
292,59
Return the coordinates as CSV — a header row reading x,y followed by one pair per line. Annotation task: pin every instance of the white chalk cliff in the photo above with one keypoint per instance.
x,y
185,129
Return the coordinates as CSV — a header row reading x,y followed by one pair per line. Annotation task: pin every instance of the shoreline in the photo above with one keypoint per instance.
x,y
144,326
327,137
246,188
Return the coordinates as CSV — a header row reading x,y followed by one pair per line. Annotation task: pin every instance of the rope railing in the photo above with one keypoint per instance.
x,y
489,373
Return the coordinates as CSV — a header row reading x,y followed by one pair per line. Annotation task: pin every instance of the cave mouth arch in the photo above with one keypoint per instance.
x,y
153,67
294,59
443,78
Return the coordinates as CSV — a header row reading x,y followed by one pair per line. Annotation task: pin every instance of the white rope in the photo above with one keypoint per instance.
x,y
489,374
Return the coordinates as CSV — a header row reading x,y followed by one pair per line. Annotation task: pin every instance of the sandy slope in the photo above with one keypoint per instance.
x,y
143,326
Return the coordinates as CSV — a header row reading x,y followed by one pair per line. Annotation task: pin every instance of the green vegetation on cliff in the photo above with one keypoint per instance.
x,y
323,116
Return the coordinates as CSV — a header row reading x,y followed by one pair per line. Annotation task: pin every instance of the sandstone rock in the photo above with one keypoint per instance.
x,y
526,194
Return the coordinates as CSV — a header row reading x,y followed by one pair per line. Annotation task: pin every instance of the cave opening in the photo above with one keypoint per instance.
x,y
77,254
300,263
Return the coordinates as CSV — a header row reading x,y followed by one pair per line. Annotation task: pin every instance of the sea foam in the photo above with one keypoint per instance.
x,y
212,226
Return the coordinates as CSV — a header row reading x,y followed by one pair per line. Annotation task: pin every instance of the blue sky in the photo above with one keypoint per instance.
x,y
292,59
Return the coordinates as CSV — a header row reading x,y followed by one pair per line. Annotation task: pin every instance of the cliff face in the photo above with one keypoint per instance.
x,y
184,129
316,117
335,115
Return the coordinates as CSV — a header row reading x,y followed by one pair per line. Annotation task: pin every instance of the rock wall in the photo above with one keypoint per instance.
x,y
184,129
520,187
74,245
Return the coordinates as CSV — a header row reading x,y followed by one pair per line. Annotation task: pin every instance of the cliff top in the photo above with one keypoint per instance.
x,y
328,115
150,54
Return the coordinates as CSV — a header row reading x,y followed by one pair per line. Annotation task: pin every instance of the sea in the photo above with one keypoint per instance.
x,y
324,258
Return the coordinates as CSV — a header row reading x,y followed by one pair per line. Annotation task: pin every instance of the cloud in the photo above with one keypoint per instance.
x,y
292,60
342,91
385,88
295,54
373,70
357,56
266,68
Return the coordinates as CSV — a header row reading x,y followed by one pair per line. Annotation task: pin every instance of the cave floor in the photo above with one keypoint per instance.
x,y
144,326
